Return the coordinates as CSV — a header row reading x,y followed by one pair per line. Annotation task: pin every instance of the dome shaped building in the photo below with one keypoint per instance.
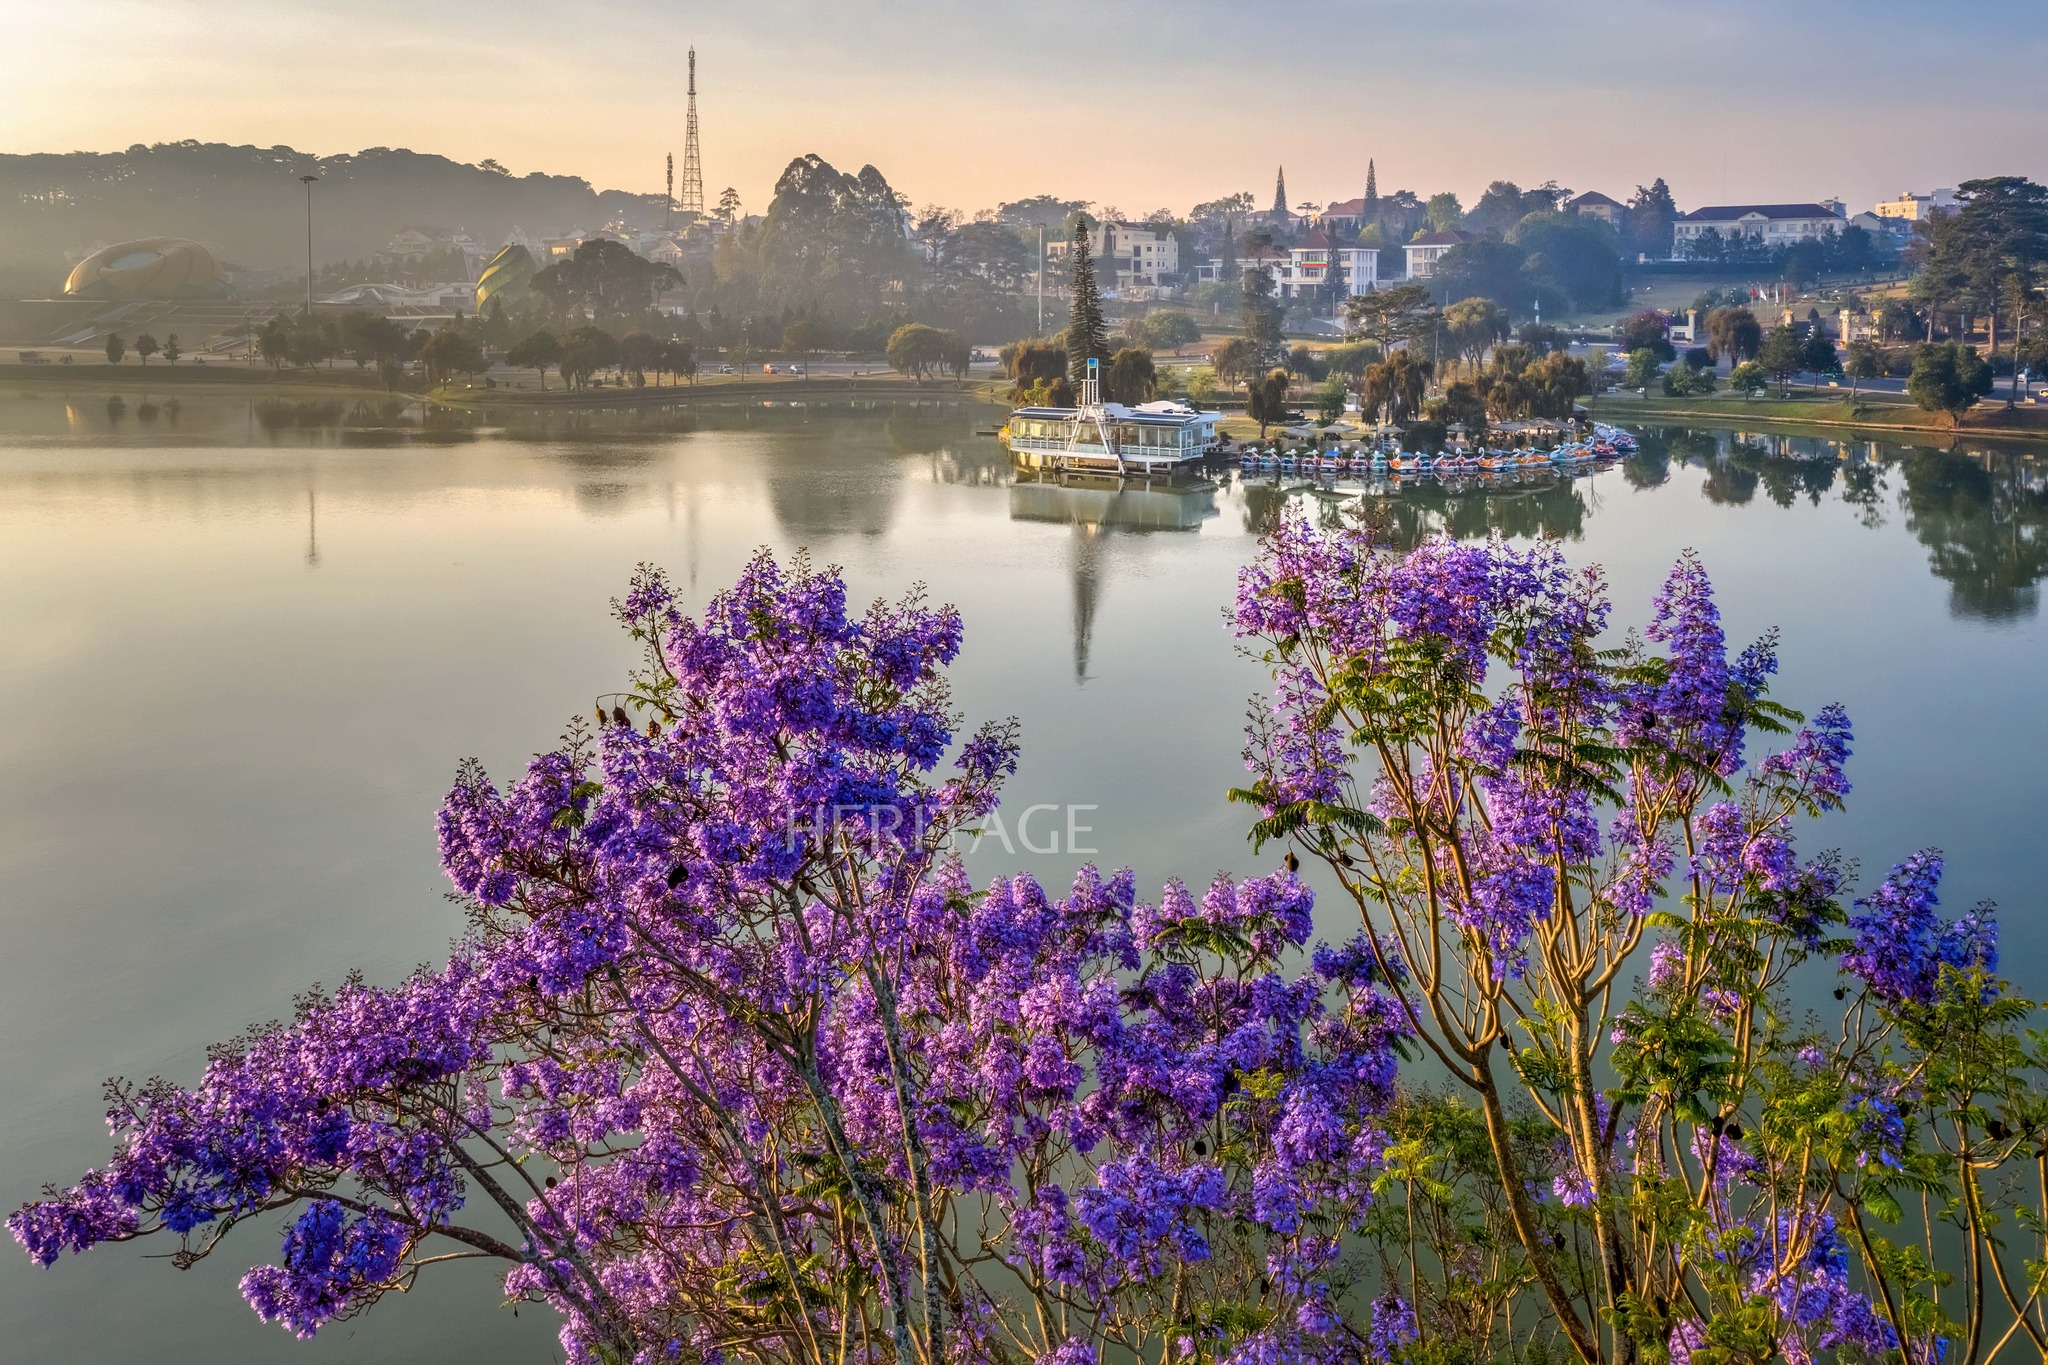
x,y
152,268
508,278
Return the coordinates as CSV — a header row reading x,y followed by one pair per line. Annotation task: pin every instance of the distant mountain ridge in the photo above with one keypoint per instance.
x,y
246,203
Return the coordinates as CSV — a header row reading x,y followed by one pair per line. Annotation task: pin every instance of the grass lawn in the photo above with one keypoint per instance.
x,y
1880,412
1675,293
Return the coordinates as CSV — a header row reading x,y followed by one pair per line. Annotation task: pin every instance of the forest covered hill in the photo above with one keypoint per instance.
x,y
245,203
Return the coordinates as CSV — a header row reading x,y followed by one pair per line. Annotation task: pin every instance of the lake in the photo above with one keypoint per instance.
x,y
244,645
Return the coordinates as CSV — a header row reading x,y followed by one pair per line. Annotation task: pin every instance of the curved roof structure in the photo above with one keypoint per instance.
x,y
508,276
151,268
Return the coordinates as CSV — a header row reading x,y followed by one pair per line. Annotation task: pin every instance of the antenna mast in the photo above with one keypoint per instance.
x,y
693,165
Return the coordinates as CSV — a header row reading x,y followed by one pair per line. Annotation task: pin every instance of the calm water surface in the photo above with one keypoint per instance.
x,y
243,647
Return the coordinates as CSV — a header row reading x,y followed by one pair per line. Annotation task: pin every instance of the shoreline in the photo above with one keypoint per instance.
x,y
1839,416
363,385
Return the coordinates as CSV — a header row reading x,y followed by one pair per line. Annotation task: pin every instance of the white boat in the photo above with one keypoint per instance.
x,y
1150,438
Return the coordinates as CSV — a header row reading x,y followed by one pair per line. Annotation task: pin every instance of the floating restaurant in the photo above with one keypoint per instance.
x,y
1149,438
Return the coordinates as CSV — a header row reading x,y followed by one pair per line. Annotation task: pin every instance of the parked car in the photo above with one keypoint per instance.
x,y
725,369
798,370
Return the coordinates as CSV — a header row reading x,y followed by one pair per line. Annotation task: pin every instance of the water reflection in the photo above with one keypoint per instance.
x,y
1982,522
1095,509
1982,513
1554,508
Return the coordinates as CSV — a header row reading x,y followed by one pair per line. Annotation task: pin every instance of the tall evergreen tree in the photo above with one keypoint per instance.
x,y
1651,212
1280,194
1087,336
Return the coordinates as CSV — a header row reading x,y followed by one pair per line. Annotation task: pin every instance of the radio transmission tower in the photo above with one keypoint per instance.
x,y
692,200
669,200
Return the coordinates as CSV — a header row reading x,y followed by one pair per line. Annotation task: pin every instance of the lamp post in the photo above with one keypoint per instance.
x,y
307,181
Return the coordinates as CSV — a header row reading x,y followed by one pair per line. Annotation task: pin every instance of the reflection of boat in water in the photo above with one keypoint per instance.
x,y
1096,508
1127,505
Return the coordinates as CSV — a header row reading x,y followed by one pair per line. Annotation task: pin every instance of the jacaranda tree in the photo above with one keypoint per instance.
x,y
734,1063
1589,904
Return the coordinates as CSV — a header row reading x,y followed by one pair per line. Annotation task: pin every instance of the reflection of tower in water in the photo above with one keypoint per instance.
x,y
1093,514
1085,566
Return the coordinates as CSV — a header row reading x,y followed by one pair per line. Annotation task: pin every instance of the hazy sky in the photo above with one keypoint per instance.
x,y
1132,103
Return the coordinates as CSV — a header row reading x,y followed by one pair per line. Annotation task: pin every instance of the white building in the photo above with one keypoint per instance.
x,y
519,236
1128,255
414,244
1302,269
1314,256
1766,225
1914,208
1425,251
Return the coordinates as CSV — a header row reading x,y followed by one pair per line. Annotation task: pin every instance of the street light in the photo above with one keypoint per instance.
x,y
307,181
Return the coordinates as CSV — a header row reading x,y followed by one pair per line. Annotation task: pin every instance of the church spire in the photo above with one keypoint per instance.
x,y
1280,194
1372,182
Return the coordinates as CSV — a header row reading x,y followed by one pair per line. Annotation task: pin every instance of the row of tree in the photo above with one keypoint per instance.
x,y
144,347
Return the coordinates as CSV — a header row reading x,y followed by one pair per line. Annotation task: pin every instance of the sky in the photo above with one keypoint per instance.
x,y
1131,104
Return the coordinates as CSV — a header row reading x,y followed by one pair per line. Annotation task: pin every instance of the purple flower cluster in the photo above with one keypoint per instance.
x,y
1902,947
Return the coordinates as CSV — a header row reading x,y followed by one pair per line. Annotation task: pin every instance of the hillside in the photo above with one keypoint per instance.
x,y
247,205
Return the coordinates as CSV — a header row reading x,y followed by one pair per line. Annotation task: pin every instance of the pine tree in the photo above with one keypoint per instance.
x,y
1087,336
1372,186
1280,194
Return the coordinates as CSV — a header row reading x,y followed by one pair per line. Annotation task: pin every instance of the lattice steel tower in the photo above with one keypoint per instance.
x,y
692,200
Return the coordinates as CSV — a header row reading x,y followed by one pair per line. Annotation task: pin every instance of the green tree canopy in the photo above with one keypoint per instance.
x,y
1948,378
370,338
1259,313
637,353
536,351
1646,329
605,282
1476,325
1651,214
916,350
1484,268
1236,360
1394,387
1171,331
1734,334
1266,399
585,351
1130,376
679,358
1571,254
450,352
1781,355
1391,316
